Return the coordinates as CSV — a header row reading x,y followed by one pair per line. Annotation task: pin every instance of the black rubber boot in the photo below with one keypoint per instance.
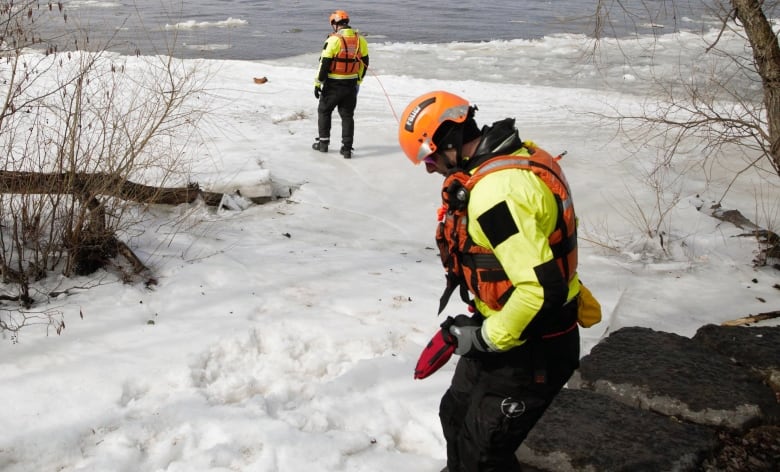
x,y
321,146
346,151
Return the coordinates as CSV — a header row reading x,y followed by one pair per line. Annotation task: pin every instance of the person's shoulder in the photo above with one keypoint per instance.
x,y
332,40
505,181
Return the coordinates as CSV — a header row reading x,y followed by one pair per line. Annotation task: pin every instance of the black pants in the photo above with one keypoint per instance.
x,y
494,400
341,94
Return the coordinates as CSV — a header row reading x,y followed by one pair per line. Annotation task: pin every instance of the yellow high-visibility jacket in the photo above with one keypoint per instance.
x,y
521,246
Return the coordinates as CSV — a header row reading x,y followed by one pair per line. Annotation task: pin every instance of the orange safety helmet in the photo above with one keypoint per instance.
x,y
423,116
338,16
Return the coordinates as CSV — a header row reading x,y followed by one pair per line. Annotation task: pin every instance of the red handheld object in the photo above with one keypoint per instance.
x,y
436,354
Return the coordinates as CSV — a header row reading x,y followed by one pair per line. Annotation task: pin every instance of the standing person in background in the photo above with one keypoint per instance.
x,y
343,64
507,237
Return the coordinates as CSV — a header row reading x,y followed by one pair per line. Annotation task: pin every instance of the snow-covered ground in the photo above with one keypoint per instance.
x,y
283,337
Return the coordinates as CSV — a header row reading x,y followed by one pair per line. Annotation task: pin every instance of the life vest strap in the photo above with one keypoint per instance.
x,y
487,261
454,282
564,247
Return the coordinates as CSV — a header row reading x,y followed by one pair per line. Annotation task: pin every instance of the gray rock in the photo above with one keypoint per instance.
x,y
675,376
753,347
586,431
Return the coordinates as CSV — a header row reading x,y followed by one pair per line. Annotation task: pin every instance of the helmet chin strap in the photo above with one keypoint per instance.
x,y
459,156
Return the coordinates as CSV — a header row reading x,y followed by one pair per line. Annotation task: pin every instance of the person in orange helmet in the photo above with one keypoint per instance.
x,y
343,65
507,239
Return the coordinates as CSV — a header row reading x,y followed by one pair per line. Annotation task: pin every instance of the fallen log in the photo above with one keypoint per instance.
x,y
768,241
102,184
91,244
752,319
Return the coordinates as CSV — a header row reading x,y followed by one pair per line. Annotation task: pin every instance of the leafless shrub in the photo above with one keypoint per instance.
x,y
723,108
12,322
85,140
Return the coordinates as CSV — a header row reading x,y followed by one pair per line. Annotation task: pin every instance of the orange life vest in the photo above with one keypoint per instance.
x,y
476,269
347,61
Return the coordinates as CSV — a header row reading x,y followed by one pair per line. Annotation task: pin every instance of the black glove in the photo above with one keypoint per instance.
x,y
317,90
467,332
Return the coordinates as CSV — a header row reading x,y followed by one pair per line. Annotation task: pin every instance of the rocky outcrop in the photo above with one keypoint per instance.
x,y
645,400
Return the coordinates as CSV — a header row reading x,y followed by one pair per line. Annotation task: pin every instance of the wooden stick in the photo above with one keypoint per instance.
x,y
752,319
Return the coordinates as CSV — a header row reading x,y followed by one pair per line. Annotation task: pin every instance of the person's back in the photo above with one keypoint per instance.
x,y
343,65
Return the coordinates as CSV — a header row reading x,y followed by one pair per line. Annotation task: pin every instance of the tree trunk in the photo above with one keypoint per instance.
x,y
766,53
101,184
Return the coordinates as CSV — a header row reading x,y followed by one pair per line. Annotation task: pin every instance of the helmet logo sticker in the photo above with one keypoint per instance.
x,y
409,124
